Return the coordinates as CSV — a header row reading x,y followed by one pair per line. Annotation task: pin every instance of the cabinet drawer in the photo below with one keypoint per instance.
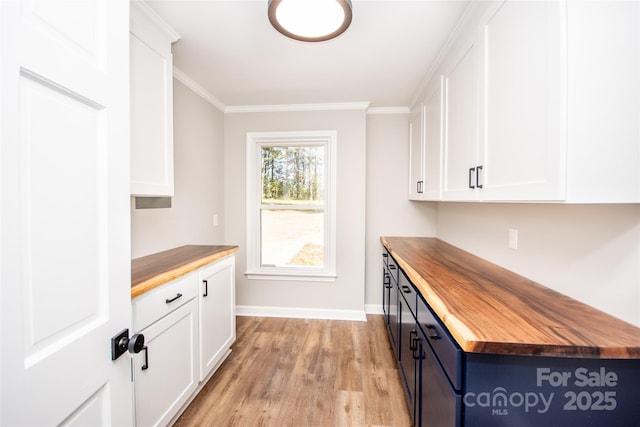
x,y
444,346
440,404
408,292
391,265
157,303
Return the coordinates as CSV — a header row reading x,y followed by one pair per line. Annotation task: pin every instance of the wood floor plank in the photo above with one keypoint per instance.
x,y
300,372
350,408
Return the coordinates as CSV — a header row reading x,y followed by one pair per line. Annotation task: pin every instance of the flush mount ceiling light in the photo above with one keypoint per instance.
x,y
310,20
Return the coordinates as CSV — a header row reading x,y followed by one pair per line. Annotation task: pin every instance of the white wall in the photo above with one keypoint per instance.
x,y
589,252
388,210
199,177
345,296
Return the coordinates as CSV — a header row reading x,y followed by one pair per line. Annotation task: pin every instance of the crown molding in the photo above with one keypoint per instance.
x,y
388,110
202,92
183,78
471,7
297,107
153,16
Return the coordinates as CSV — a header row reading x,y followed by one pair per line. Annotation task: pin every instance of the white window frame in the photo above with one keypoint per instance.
x,y
254,201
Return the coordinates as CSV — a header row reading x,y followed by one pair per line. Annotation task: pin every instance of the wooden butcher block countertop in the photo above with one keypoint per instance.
x,y
489,309
154,270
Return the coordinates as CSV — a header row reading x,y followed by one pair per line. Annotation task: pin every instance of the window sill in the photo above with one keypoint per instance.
x,y
298,277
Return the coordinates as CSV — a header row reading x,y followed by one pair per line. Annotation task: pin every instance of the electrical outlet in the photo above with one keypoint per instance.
x,y
513,238
215,220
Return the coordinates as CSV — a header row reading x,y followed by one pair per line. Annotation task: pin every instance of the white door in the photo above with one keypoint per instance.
x,y
64,206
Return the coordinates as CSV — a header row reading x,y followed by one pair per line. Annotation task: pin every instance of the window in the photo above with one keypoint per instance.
x,y
291,205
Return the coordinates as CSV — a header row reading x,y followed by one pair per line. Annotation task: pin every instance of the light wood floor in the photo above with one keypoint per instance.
x,y
298,372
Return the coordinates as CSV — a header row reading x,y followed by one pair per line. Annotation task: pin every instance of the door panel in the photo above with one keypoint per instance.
x,y
61,206
65,266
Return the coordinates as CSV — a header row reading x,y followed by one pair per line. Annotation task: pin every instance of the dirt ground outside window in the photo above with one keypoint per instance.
x,y
292,238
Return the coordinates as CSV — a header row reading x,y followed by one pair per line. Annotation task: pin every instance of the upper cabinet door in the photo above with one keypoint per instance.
x,y
604,101
523,98
433,130
151,103
461,127
416,154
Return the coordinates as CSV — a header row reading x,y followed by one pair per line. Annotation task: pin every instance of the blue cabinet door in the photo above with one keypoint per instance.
x,y
439,404
408,343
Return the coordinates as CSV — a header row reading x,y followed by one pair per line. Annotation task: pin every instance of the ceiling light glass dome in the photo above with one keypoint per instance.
x,y
310,20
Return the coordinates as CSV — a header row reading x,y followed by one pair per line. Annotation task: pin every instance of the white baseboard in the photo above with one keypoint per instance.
x,y
373,309
300,313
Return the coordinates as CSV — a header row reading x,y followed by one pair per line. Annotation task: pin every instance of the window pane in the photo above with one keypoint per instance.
x,y
291,238
293,175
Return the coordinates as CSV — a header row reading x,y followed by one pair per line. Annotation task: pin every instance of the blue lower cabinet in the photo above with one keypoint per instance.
x,y
390,300
532,391
407,360
439,404
447,387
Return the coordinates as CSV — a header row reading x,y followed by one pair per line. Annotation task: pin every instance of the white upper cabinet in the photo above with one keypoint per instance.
x,y
416,153
151,102
523,103
461,126
603,125
425,148
433,132
541,103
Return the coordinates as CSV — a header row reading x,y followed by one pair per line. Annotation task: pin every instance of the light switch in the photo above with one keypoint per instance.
x,y
513,238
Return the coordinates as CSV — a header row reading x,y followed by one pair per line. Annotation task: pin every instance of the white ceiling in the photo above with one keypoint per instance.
x,y
230,49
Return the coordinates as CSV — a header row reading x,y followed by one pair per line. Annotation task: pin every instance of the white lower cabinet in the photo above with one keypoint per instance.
x,y
217,313
165,372
189,326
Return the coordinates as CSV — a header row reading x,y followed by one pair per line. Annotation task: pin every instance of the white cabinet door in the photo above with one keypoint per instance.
x,y
433,127
217,313
416,154
604,101
65,266
523,145
461,127
170,357
151,103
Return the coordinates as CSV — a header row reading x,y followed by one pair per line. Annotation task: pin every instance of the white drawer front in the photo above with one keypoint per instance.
x,y
157,303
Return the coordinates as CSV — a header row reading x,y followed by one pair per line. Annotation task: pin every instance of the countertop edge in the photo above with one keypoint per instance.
x,y
470,343
174,273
